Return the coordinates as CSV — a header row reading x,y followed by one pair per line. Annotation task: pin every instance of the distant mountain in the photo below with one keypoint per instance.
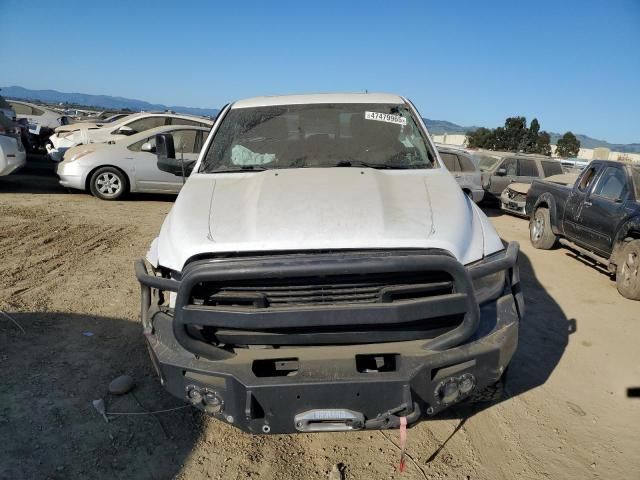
x,y
440,127
105,102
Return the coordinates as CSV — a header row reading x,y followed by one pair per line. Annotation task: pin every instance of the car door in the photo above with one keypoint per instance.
x,y
575,202
527,170
502,176
149,178
452,163
604,208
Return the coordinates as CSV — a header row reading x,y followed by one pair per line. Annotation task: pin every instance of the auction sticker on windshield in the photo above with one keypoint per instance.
x,y
385,117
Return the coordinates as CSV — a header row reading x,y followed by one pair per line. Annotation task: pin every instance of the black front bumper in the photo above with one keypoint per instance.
x,y
294,388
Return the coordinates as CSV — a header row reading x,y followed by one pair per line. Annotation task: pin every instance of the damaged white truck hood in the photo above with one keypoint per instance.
x,y
322,209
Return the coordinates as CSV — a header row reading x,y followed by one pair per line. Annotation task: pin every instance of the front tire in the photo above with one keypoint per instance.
x,y
628,271
108,183
540,232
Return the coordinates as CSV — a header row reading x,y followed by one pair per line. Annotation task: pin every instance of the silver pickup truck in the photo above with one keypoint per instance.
x,y
321,270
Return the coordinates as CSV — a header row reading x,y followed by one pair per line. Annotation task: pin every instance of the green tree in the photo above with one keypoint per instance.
x,y
543,145
481,138
515,134
530,141
568,146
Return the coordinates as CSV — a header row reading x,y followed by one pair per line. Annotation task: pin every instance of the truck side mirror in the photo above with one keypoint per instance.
x,y
166,153
501,172
147,147
167,161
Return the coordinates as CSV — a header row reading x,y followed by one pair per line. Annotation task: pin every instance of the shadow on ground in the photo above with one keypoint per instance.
x,y
39,177
543,338
49,426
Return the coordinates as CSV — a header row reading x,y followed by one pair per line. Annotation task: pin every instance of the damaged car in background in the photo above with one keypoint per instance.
x,y
12,152
514,198
598,217
500,169
463,166
85,133
40,120
109,171
321,270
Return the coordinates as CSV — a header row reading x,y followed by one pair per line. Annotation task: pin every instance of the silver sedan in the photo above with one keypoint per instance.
x,y
109,171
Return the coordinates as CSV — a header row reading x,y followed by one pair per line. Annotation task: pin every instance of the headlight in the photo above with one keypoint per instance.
x,y
489,287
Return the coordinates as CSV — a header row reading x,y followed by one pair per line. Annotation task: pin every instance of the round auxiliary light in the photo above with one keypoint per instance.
x,y
448,391
212,402
467,382
194,395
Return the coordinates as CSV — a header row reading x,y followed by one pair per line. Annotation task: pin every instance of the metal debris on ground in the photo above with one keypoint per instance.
x,y
121,385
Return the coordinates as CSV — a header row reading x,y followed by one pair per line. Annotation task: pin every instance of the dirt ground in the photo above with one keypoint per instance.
x,y
67,279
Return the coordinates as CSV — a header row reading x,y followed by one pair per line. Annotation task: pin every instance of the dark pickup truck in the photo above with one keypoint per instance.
x,y
599,217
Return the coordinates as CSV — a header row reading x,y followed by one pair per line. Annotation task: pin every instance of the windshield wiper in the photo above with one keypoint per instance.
x,y
240,168
379,166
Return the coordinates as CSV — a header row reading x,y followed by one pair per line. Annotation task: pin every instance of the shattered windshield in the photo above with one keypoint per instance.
x,y
318,135
487,163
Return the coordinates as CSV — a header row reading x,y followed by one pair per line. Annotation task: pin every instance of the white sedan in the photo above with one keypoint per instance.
x,y
84,134
109,171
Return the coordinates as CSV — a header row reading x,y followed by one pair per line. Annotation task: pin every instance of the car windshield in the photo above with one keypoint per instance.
x,y
487,163
318,135
635,176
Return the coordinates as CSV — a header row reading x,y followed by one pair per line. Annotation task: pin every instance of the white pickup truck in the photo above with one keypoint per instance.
x,y
321,270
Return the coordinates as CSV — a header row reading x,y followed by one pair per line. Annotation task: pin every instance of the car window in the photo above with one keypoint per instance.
x,y
466,164
587,178
146,123
612,184
450,161
487,163
183,121
511,166
527,168
184,141
135,147
550,167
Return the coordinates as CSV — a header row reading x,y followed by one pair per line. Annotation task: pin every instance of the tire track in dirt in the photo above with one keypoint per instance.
x,y
39,250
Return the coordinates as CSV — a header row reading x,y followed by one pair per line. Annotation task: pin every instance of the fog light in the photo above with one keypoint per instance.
x,y
453,389
194,395
448,391
212,402
466,382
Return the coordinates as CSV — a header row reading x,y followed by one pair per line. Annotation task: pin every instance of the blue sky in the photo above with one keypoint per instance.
x,y
575,65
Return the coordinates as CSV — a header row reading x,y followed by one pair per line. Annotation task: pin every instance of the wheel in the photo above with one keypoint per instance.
x,y
540,231
628,270
108,183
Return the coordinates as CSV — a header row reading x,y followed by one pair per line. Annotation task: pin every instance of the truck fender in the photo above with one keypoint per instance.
x,y
548,200
629,229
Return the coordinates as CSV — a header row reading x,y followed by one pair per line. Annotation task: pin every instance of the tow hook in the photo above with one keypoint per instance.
x,y
391,419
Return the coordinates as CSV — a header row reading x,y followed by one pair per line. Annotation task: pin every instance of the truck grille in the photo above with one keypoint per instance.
x,y
323,291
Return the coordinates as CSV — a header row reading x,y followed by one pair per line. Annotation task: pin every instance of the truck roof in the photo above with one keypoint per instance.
x,y
385,98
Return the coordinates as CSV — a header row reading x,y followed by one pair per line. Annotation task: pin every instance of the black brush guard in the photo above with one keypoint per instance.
x,y
260,402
